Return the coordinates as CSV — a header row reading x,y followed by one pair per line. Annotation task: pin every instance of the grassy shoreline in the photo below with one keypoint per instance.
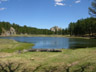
x,y
36,36
8,45
68,59
67,36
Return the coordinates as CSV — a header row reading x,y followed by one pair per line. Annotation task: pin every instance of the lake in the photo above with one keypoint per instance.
x,y
56,42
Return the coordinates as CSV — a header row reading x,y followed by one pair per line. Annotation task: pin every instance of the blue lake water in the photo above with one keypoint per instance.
x,y
56,42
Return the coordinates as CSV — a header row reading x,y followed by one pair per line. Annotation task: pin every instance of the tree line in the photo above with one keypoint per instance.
x,y
30,30
83,27
80,28
23,29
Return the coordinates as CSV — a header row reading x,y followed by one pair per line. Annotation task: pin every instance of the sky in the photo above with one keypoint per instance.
x,y
43,13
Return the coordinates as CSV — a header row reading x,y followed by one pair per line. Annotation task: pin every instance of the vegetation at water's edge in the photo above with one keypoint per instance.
x,y
13,46
78,60
83,27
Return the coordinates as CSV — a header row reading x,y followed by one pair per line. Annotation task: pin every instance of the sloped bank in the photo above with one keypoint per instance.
x,y
7,45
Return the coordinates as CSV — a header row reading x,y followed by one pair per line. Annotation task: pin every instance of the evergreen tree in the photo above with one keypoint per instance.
x,y
92,9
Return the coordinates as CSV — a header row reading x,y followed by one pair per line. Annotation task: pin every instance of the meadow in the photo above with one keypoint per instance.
x,y
69,60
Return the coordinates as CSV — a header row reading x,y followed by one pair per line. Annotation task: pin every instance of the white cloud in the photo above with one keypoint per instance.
x,y
2,9
62,4
3,1
59,2
77,1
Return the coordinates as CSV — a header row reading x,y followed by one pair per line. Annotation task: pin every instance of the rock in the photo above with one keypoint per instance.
x,y
12,31
32,50
25,50
54,50
44,50
5,33
55,28
31,58
8,33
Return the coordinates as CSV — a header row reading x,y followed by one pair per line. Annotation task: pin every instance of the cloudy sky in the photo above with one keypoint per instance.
x,y
43,13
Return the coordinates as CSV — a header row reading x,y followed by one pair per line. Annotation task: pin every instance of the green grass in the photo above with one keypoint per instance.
x,y
38,35
12,46
74,60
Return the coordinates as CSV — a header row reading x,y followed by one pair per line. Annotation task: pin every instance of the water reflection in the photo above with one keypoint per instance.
x,y
81,43
56,42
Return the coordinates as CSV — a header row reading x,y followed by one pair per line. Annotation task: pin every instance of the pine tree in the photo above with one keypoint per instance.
x,y
92,9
